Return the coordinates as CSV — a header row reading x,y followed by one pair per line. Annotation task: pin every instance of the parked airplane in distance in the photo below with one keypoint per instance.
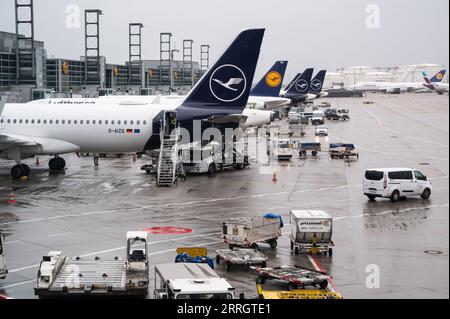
x,y
436,86
395,87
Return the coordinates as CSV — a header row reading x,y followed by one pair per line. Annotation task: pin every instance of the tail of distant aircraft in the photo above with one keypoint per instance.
x,y
270,84
438,77
294,79
428,83
316,84
226,85
301,85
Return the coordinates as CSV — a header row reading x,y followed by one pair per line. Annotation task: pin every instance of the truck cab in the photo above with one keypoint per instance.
x,y
190,281
282,148
3,270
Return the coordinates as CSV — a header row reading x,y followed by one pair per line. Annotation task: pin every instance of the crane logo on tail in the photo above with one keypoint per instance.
x,y
273,79
316,85
228,83
301,86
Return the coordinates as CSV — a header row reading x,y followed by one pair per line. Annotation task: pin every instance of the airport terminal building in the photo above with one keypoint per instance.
x,y
65,77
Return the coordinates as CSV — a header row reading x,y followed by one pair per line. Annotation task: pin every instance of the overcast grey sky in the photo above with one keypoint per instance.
x,y
321,33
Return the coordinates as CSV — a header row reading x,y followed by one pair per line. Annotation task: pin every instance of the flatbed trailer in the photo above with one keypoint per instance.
x,y
60,276
242,257
304,148
343,151
295,276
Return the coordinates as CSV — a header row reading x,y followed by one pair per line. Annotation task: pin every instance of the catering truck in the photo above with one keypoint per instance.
x,y
311,232
61,276
190,281
3,270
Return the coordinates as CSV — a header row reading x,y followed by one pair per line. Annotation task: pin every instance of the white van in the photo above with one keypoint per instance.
x,y
396,183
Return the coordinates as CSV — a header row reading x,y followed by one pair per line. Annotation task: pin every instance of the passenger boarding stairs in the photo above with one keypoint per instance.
x,y
168,160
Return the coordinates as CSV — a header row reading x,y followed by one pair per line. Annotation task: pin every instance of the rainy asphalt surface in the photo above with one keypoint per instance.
x,y
88,210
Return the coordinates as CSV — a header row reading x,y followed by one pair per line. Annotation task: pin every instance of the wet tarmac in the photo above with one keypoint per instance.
x,y
87,210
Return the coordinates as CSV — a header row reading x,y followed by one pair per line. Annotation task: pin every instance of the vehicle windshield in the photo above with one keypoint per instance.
x,y
283,144
322,128
374,175
137,249
419,176
205,296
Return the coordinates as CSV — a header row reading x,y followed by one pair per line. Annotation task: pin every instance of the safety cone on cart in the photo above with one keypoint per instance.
x,y
12,199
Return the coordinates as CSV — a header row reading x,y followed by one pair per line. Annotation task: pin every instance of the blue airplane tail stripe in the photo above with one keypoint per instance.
x,y
301,85
270,84
316,84
226,85
438,77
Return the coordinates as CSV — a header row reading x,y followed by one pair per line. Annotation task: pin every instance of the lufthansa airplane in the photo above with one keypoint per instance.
x,y
298,91
56,128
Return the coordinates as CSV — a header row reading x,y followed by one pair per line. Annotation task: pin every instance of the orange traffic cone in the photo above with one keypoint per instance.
x,y
12,199
274,177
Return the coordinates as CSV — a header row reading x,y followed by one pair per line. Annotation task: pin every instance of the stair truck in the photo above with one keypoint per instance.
x,y
61,276
190,281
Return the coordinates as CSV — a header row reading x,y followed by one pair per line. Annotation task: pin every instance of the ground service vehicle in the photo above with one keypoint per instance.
x,y
190,281
311,232
249,232
304,148
281,148
321,131
60,276
396,183
341,151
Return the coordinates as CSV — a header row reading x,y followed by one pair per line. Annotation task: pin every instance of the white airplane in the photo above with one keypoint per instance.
x,y
395,87
70,126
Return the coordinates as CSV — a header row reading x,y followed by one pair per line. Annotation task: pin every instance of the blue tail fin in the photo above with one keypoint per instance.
x,y
270,84
301,85
438,77
294,79
317,83
226,85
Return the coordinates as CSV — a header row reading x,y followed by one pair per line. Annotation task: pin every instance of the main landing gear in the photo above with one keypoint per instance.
x,y
20,170
57,164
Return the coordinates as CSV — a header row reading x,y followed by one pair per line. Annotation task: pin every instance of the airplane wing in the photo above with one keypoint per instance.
x,y
41,145
8,140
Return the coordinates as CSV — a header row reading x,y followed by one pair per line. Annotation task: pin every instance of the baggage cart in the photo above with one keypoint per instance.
x,y
304,148
311,232
242,257
343,151
248,232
